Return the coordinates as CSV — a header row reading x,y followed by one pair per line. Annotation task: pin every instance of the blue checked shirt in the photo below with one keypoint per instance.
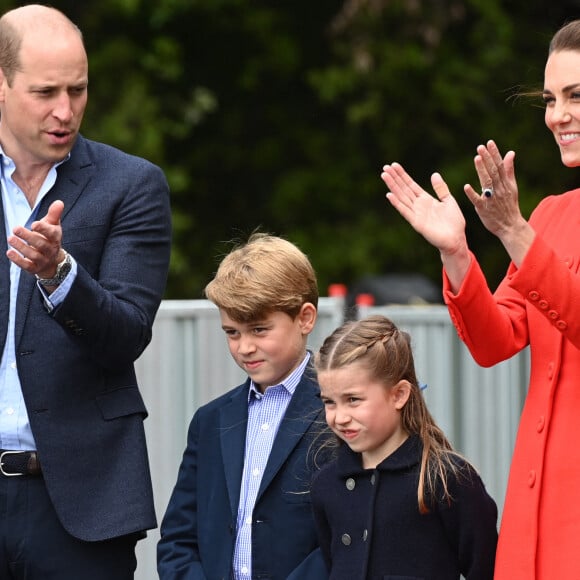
x,y
265,413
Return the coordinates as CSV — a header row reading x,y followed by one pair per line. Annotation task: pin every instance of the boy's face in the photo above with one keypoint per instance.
x,y
269,349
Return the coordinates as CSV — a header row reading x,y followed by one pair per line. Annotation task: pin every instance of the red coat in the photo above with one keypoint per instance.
x,y
537,304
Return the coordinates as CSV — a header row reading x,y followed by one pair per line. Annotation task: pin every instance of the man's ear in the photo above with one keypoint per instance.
x,y
401,393
307,317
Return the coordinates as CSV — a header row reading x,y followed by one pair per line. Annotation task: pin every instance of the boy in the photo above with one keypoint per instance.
x,y
241,506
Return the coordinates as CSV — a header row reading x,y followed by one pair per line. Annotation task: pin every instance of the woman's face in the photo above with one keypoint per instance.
x,y
562,98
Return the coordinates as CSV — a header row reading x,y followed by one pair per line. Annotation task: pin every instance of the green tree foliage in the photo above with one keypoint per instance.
x,y
280,115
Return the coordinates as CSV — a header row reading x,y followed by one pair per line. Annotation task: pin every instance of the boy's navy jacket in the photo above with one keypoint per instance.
x,y
198,531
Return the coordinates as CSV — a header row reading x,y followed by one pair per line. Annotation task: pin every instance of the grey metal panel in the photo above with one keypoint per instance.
x,y
188,364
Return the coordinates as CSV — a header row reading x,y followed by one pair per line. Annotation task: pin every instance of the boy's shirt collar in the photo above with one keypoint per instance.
x,y
289,383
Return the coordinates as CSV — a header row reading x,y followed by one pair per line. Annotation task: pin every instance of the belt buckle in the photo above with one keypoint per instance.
x,y
2,463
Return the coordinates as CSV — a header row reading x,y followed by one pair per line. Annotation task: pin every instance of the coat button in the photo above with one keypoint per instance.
x,y
543,304
531,478
365,535
561,325
534,296
346,539
350,484
541,423
553,315
373,478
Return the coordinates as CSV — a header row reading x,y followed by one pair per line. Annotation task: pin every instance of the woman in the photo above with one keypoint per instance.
x,y
535,304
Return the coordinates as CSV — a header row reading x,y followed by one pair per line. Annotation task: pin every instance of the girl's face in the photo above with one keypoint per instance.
x,y
562,98
363,412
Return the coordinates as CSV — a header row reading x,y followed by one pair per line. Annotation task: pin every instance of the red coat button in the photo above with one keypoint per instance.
x,y
531,478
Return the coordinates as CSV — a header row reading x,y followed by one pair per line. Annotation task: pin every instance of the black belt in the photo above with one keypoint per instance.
x,y
14,463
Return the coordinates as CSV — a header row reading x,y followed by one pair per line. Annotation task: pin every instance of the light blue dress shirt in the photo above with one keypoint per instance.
x,y
265,413
15,432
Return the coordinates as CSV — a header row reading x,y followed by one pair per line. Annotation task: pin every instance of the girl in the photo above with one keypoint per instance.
x,y
397,502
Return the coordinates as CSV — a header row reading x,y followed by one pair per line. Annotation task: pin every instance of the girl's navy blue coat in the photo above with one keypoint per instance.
x,y
370,527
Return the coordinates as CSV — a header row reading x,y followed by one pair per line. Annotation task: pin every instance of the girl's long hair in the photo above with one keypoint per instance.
x,y
386,353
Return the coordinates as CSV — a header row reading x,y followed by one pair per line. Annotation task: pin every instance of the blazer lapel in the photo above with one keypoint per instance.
x,y
233,425
303,410
73,176
4,280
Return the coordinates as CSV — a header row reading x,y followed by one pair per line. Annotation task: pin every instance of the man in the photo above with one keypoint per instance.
x,y
88,240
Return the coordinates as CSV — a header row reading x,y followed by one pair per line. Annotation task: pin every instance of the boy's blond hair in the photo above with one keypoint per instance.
x,y
264,275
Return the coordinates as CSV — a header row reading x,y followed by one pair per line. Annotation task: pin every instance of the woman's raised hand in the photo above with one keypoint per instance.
x,y
438,219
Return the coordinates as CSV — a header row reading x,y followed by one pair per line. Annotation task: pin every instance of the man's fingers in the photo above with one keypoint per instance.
x,y
54,212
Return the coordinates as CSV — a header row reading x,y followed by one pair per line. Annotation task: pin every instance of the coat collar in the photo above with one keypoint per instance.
x,y
406,456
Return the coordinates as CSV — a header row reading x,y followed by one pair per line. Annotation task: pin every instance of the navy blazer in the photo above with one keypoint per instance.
x,y
198,531
76,363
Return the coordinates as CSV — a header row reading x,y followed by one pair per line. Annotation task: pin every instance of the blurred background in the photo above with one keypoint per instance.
x,y
280,115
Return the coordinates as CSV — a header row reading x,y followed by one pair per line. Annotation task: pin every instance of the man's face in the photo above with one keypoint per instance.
x,y
42,110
